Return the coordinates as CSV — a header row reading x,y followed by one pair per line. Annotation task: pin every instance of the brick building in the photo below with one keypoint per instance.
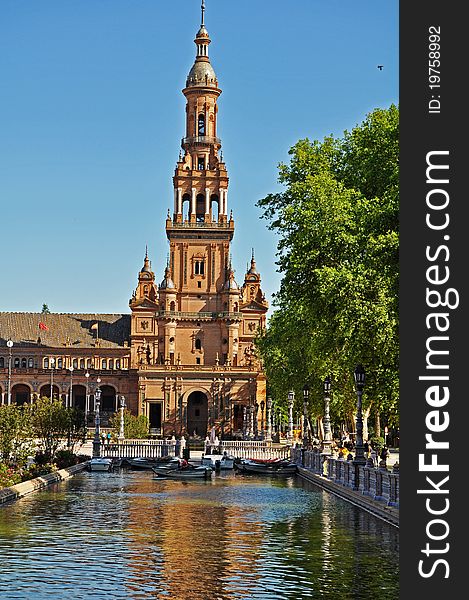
x,y
184,356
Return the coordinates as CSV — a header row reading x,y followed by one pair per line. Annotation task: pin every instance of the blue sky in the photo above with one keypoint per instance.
x,y
92,115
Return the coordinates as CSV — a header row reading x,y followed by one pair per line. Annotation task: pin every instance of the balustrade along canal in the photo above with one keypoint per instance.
x,y
124,534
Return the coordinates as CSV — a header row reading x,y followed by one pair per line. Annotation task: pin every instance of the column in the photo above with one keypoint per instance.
x,y
207,203
193,202
222,210
178,201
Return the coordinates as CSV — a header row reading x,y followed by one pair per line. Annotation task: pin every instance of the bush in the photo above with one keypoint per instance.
x,y
64,459
35,470
377,443
8,476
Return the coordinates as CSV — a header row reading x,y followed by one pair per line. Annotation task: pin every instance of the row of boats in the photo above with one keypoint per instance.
x,y
176,468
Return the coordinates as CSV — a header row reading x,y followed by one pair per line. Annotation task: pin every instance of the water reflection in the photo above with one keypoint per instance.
x,y
125,535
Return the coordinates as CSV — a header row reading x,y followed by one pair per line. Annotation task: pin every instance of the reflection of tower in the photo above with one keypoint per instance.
x,y
199,322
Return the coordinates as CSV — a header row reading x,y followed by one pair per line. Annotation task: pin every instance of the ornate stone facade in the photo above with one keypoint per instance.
x,y
186,356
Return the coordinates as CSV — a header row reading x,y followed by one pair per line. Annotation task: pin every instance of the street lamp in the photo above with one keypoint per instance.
x,y
268,417
305,414
359,376
121,425
10,346
96,439
291,399
262,420
52,363
327,443
70,398
87,398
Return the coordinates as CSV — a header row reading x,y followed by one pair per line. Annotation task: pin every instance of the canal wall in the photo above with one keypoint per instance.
x,y
26,487
375,490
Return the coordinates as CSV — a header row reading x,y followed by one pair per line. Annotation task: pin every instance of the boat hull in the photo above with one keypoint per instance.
x,y
271,468
218,462
183,474
100,464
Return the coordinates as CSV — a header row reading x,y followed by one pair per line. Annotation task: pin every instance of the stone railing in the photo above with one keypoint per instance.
x,y
139,448
254,449
379,484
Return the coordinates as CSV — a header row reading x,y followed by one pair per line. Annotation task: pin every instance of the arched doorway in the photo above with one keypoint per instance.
x,y
79,397
197,414
44,392
108,399
20,394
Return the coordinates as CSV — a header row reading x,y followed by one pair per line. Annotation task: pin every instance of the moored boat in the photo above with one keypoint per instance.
x,y
142,463
100,463
218,461
183,470
266,467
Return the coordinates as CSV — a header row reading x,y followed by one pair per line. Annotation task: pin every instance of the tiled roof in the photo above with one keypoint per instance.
x,y
64,330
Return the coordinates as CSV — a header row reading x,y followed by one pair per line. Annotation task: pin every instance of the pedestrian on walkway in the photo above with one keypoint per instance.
x,y
384,454
366,448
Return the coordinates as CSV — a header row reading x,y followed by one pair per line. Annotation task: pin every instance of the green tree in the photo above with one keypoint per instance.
x,y
15,434
337,221
134,427
45,310
52,425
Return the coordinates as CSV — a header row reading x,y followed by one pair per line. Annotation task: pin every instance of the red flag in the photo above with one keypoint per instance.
x,y
43,326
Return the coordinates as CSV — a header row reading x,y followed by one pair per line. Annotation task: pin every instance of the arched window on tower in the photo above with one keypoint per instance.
x,y
186,206
214,207
201,125
200,208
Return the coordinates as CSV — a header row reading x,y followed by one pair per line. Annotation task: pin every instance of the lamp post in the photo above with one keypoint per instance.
x,y
70,399
121,424
291,399
305,414
52,362
262,420
87,398
268,418
327,443
10,346
96,439
359,376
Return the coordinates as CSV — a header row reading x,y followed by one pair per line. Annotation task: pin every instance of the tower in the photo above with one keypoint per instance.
x,y
202,371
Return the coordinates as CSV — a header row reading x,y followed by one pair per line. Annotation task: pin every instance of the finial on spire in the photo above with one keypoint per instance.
x,y
252,254
203,13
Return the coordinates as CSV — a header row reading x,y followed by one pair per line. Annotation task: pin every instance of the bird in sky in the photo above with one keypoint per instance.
x,y
380,67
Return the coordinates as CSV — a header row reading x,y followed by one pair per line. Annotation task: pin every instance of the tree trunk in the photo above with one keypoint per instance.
x,y
377,424
365,416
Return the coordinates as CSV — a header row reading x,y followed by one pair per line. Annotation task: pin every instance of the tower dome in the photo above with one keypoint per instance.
x,y
202,73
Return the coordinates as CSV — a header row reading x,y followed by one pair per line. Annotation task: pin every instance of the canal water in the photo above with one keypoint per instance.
x,y
126,535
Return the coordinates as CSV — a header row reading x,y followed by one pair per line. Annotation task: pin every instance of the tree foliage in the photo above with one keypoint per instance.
x,y
134,427
55,425
15,434
337,306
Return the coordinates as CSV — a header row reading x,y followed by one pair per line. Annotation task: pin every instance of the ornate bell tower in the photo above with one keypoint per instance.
x,y
203,371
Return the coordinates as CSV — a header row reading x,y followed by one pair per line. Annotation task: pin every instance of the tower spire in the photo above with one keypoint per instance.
x,y
203,13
